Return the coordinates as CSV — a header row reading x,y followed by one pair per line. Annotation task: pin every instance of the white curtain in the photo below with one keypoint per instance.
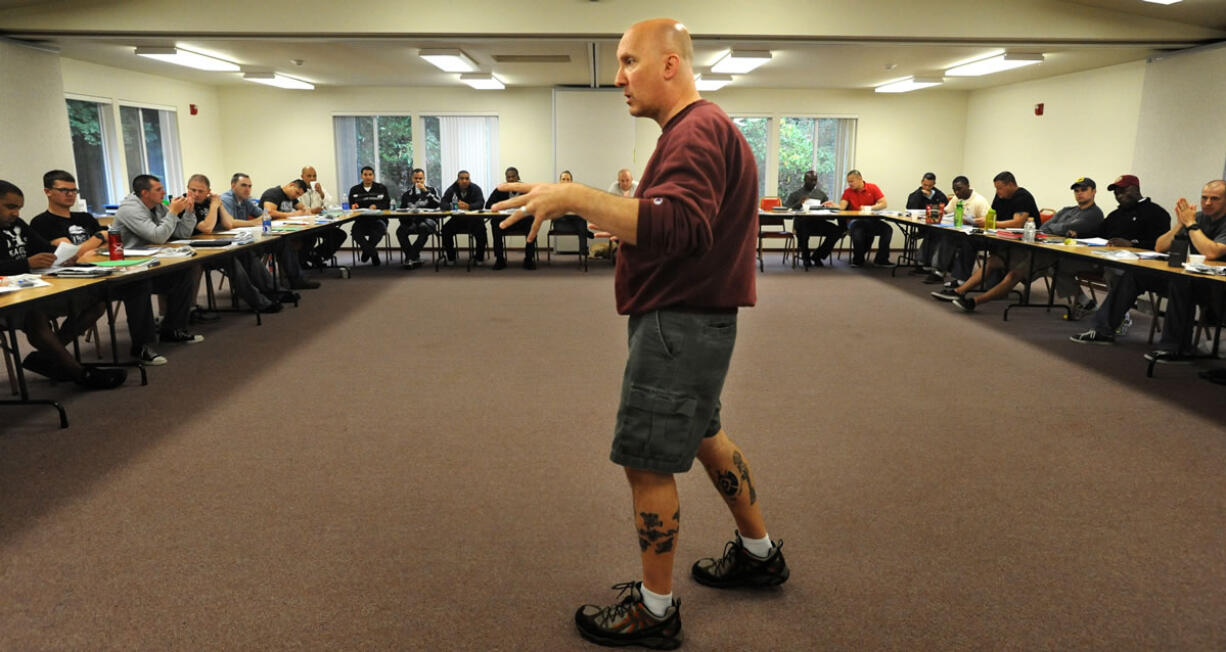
x,y
345,131
168,125
469,143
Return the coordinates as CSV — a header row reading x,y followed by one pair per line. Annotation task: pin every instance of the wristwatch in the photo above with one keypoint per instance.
x,y
1193,227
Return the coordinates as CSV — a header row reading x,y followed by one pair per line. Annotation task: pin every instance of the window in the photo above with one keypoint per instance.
x,y
151,145
825,145
93,148
384,142
757,132
456,142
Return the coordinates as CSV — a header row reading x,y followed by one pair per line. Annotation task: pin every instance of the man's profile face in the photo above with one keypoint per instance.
x,y
1004,190
419,178
309,175
640,73
293,191
241,188
62,194
855,182
1213,200
198,191
810,180
927,184
155,194
1127,197
368,177
624,179
10,208
962,191
463,180
512,176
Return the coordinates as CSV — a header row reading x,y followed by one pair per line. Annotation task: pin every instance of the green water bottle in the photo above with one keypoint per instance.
x,y
989,220
959,211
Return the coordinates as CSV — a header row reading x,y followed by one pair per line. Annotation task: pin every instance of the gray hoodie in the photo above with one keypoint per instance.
x,y
139,226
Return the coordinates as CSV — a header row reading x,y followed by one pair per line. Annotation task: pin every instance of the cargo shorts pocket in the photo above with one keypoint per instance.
x,y
655,426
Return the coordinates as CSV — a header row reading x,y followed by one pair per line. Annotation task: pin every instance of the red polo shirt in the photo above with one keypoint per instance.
x,y
867,196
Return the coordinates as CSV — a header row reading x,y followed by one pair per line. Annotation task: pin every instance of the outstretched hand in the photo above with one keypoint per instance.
x,y
540,201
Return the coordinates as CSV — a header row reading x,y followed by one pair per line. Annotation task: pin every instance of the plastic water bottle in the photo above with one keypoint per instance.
x,y
989,220
1028,230
266,224
959,211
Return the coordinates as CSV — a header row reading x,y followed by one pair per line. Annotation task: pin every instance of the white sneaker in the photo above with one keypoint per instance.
x,y
1122,330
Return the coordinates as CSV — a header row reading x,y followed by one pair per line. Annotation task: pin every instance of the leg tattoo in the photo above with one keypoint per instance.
x,y
652,533
727,483
743,467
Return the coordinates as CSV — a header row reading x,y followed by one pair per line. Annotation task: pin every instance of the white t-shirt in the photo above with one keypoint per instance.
x,y
616,189
973,208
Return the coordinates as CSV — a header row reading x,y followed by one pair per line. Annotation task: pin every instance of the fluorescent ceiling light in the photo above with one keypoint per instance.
x,y
909,84
280,81
741,61
483,82
187,58
1164,2
449,60
710,82
997,63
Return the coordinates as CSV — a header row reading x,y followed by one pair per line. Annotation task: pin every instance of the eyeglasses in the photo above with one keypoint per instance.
x,y
67,191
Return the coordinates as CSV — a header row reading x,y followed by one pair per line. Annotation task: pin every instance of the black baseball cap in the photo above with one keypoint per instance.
x,y
1083,182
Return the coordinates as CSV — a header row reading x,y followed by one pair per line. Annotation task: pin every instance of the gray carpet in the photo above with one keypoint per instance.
x,y
419,461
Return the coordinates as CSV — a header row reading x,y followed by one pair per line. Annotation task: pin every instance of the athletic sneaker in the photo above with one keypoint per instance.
x,y
1092,337
1079,311
1163,356
933,278
630,622
179,335
149,357
1122,329
965,304
738,567
99,378
945,294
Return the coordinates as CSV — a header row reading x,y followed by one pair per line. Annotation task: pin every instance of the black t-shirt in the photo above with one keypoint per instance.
x,y
1021,202
1143,224
917,200
201,211
17,243
276,195
77,228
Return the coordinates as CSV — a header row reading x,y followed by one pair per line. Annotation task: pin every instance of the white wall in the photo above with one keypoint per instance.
x,y
199,135
271,133
34,121
1089,128
1181,139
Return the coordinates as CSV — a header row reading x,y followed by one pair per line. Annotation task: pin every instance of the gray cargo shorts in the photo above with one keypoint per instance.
x,y
670,391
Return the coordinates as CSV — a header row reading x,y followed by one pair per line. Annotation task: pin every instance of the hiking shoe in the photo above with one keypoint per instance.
x,y
629,622
1080,311
945,294
1122,329
965,304
1163,356
148,357
738,567
180,335
99,378
1092,337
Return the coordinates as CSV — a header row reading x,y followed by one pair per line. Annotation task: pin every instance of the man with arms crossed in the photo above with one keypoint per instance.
x,y
316,200
687,264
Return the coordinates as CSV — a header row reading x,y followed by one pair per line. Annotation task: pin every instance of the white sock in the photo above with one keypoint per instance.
x,y
657,604
760,548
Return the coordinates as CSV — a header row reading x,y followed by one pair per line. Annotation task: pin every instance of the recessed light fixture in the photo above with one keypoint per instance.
x,y
909,84
998,63
280,81
740,61
449,60
181,57
711,82
483,81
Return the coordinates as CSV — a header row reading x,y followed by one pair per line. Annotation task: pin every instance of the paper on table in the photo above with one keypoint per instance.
x,y
141,252
63,252
1092,242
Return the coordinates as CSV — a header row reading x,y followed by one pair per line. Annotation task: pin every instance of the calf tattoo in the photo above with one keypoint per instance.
x,y
743,467
653,535
727,483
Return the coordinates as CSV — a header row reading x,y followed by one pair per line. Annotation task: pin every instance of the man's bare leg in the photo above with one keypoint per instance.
x,y
657,517
729,471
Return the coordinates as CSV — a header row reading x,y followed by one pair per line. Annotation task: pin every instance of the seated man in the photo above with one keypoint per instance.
x,y
59,224
574,224
1203,232
807,226
463,195
22,249
951,252
369,230
245,211
860,194
317,200
142,219
1013,204
926,198
625,186
500,253
421,197
1083,219
249,277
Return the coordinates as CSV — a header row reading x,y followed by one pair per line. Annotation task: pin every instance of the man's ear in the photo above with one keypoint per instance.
x,y
672,66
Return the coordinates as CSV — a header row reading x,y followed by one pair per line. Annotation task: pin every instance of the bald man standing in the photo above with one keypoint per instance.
x,y
686,265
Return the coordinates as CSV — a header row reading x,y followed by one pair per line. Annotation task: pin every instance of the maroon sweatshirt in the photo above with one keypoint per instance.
x,y
698,219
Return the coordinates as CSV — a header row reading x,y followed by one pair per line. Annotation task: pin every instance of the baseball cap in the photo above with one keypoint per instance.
x,y
1083,181
1124,181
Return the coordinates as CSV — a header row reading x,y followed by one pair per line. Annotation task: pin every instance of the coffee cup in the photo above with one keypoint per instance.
x,y
1196,259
